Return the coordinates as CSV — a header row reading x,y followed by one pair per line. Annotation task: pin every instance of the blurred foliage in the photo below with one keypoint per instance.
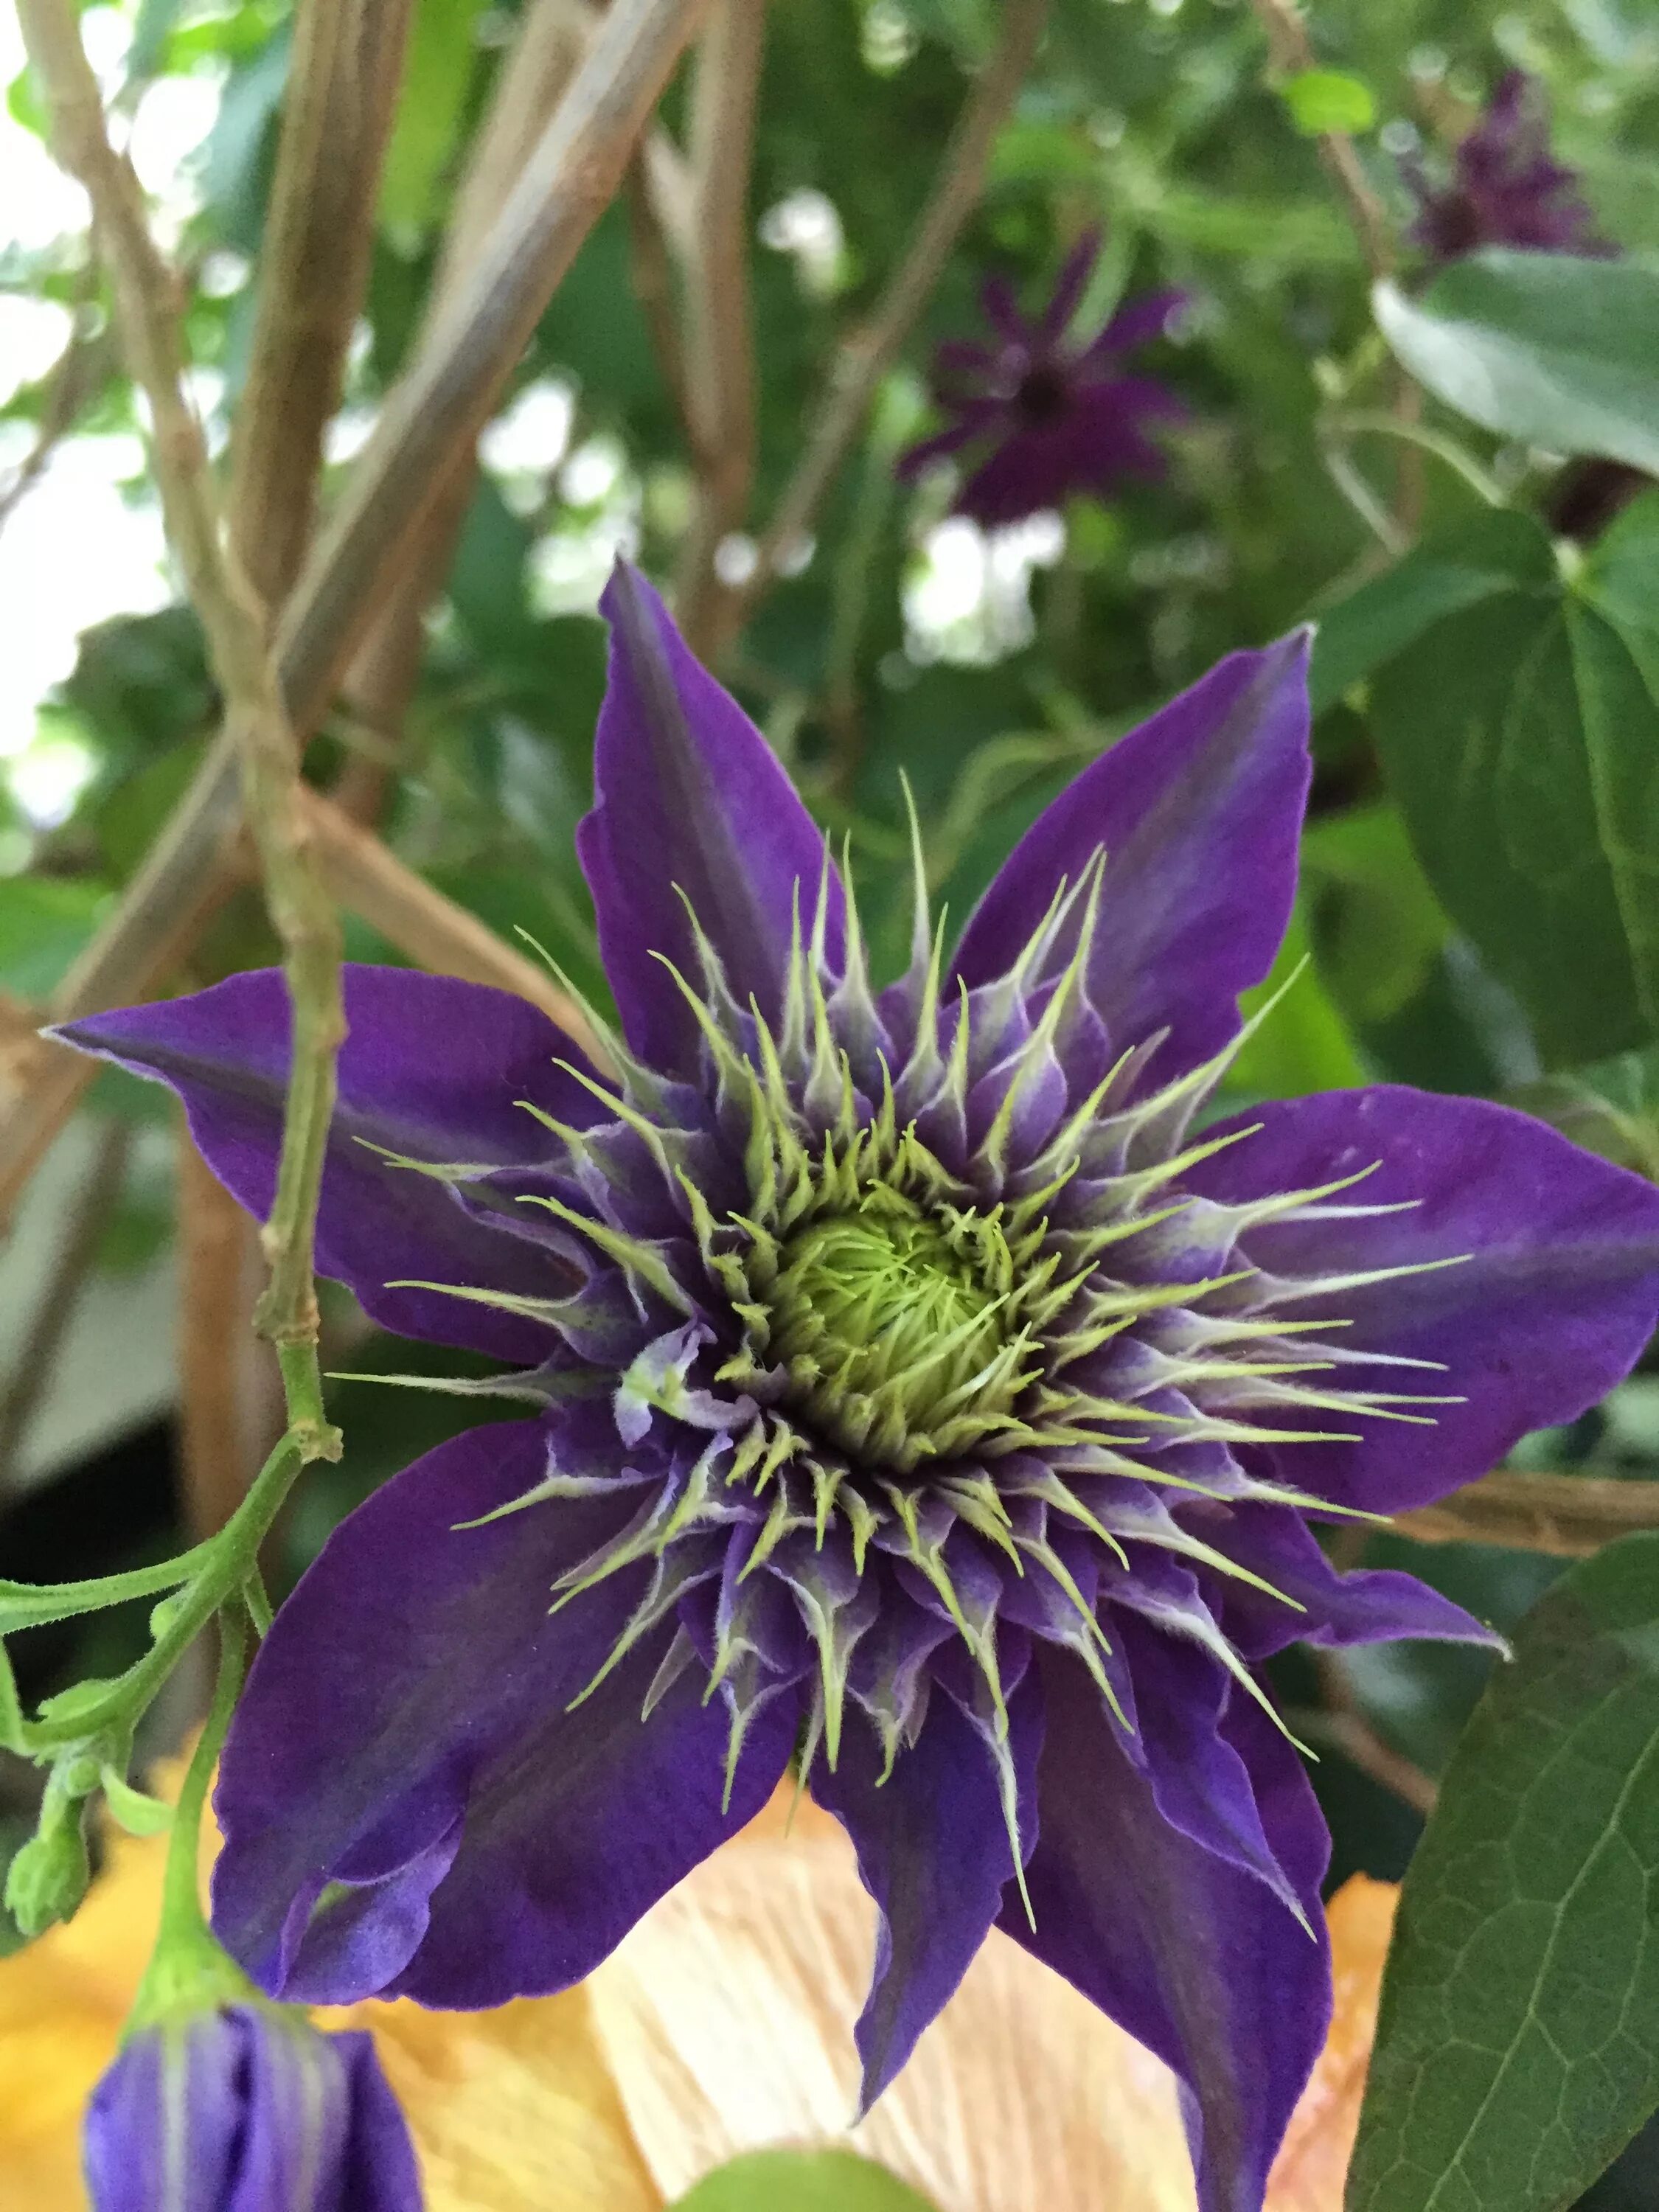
x,y
1480,899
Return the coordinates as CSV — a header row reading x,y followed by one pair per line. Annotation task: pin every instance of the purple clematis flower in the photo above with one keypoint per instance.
x,y
1040,416
920,1394
247,2109
1504,189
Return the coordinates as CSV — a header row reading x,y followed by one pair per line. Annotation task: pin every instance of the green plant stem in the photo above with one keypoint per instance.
x,y
1429,441
229,1559
181,1894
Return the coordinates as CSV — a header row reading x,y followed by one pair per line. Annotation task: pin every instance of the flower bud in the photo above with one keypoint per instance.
x,y
49,1876
247,2109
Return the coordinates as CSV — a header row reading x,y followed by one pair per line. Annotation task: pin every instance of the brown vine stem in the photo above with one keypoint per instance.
x,y
866,355
1292,52
436,413
381,682
313,265
239,645
720,343
1567,1515
34,1356
1343,1725
370,881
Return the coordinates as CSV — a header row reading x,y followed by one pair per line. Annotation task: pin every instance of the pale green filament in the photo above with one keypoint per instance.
x,y
890,1307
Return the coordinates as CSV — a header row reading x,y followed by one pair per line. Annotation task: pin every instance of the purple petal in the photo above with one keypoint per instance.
x,y
1199,811
1199,1783
1001,311
933,1851
430,1068
1553,1298
690,800
975,418
1138,322
1373,1605
1194,1956
405,1732
1029,470
246,2111
1069,288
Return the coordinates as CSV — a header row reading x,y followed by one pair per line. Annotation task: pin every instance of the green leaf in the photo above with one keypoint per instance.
x,y
436,77
1454,570
44,922
1328,100
802,2181
1516,2051
1521,737
1550,348
137,1812
1303,1046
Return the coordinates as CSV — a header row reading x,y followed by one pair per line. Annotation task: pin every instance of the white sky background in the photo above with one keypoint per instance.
x,y
79,548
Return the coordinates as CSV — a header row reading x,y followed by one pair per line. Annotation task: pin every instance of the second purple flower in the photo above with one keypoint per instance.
x,y
1039,414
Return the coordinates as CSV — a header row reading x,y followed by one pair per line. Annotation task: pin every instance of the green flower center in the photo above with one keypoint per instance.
x,y
894,1326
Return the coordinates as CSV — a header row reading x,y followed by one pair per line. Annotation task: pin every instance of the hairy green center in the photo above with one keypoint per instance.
x,y
893,1323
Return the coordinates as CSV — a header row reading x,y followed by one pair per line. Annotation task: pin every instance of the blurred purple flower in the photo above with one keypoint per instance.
x,y
1039,416
1504,189
247,2109
920,1391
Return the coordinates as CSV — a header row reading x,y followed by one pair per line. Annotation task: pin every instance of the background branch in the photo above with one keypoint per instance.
x,y
867,354
238,647
434,415
1568,1516
719,346
313,265
35,1357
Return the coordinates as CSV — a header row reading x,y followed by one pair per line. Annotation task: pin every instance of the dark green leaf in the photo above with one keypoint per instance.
x,y
1516,2049
1521,737
802,2181
1554,349
1456,569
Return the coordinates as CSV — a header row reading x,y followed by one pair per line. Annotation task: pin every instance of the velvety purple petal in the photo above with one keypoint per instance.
x,y
1194,1956
690,800
1553,1298
1028,471
1199,811
1372,1605
430,1068
934,1851
1138,322
1001,311
406,1732
1069,288
975,418
1199,1783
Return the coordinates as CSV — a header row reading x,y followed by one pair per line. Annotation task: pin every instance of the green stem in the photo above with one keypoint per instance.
x,y
1431,441
181,1895
29,1605
231,1553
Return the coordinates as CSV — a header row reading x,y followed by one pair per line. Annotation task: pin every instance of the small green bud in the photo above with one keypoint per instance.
x,y
47,1879
80,1698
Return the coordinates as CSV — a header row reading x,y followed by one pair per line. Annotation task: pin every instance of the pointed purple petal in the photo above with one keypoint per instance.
x,y
690,799
1372,1605
1001,311
974,418
1199,811
1199,1783
1553,1298
1069,288
430,1068
933,1851
1138,322
1195,1958
406,1732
